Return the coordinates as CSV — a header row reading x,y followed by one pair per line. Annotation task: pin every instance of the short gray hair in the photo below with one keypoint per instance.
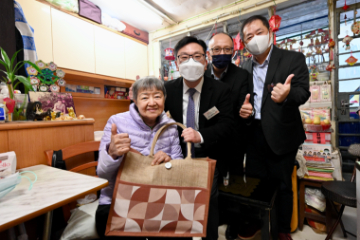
x,y
148,83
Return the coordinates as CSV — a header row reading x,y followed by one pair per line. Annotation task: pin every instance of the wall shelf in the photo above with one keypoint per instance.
x,y
74,75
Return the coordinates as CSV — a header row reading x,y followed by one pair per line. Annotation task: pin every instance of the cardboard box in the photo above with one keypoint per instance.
x,y
313,149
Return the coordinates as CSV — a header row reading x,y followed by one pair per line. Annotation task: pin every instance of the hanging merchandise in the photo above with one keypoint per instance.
x,y
169,53
345,7
325,92
351,60
355,27
331,43
345,17
274,23
347,39
315,93
330,67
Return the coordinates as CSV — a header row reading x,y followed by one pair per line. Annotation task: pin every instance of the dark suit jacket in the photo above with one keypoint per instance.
x,y
281,123
238,81
215,131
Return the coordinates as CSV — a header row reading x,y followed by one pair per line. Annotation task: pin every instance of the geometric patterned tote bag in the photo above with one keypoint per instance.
x,y
158,201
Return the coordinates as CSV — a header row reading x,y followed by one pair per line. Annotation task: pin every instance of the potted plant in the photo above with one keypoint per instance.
x,y
12,80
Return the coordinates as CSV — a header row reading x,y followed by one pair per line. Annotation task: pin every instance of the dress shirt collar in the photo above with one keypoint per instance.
x,y
266,60
222,74
198,87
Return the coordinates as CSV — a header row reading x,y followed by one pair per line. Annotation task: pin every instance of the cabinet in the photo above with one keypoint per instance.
x,y
38,15
136,59
73,42
109,53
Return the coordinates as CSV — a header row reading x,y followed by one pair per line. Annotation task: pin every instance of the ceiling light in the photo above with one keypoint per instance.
x,y
159,13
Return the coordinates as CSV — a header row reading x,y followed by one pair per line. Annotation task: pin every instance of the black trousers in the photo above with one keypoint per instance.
x,y
213,218
262,162
102,214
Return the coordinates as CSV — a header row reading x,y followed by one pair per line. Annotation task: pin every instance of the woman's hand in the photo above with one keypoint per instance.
x,y
160,157
119,144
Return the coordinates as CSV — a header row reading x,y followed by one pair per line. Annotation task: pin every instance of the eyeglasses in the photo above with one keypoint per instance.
x,y
186,57
217,50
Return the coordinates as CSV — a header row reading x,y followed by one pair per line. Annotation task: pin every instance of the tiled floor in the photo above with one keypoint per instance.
x,y
349,220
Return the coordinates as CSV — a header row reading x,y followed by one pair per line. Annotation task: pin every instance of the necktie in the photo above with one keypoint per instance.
x,y
190,116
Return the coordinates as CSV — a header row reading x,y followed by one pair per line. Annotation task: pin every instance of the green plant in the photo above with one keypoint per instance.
x,y
11,79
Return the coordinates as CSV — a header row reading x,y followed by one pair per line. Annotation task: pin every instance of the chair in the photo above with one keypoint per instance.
x,y
68,153
341,192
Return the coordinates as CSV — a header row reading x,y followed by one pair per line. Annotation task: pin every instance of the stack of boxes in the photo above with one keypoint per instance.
x,y
317,148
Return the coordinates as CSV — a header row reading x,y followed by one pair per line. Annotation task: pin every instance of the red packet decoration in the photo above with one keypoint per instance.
x,y
351,60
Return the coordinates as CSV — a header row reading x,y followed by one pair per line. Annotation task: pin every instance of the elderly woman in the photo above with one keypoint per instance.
x,y
135,129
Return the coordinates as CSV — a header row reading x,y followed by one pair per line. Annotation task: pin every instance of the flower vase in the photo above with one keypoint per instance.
x,y
21,102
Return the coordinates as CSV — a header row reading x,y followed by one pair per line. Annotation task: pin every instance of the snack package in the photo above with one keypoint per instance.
x,y
315,93
7,164
325,93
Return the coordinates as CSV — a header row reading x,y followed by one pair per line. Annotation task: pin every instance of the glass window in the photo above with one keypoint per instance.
x,y
349,86
349,72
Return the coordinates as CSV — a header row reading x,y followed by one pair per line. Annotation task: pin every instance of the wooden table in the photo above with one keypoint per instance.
x,y
54,188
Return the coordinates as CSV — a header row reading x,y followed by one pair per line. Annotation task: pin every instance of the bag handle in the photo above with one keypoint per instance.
x,y
161,130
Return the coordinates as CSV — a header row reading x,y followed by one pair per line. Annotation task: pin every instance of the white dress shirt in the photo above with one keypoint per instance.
x,y
259,77
196,98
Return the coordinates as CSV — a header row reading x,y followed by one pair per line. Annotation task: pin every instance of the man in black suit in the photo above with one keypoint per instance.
x,y
204,106
280,85
221,51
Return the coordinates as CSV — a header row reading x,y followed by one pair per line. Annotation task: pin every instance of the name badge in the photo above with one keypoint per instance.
x,y
211,113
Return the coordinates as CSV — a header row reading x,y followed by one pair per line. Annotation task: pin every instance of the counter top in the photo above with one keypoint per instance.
x,y
43,124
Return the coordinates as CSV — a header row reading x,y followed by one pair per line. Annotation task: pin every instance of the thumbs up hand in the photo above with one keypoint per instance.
x,y
119,144
246,109
281,91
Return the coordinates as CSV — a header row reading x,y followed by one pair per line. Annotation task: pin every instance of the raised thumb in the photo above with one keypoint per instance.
x,y
288,80
247,99
113,129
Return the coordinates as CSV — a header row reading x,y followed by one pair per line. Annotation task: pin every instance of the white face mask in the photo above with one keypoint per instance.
x,y
258,44
191,70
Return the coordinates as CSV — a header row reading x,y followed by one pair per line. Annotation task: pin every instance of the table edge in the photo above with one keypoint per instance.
x,y
49,208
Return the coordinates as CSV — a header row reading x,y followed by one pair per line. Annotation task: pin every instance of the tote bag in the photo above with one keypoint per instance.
x,y
156,201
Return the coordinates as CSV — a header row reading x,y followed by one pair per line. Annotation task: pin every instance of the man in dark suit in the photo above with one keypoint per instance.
x,y
204,106
221,51
280,85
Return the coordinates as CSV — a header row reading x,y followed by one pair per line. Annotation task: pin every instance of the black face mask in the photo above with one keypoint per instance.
x,y
222,60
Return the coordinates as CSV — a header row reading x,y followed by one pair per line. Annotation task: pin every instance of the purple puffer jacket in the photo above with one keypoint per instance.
x,y
141,138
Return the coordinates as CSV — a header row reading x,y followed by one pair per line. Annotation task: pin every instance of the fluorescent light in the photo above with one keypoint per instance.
x,y
159,13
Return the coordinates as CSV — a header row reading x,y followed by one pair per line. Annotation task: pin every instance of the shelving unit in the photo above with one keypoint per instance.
x,y
99,108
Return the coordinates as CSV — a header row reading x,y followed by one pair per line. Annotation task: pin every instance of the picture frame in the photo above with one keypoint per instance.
x,y
56,101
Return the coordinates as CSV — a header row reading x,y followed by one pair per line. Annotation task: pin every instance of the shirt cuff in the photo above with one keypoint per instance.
x,y
202,139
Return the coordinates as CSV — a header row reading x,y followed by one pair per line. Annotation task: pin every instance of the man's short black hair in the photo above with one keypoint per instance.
x,y
189,39
222,33
250,20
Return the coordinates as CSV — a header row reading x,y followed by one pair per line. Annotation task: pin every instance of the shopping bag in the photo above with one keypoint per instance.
x,y
158,201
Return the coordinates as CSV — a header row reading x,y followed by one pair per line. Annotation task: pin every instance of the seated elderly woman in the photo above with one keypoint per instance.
x,y
134,129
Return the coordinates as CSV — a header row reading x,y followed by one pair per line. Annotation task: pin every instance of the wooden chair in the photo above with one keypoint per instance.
x,y
67,154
